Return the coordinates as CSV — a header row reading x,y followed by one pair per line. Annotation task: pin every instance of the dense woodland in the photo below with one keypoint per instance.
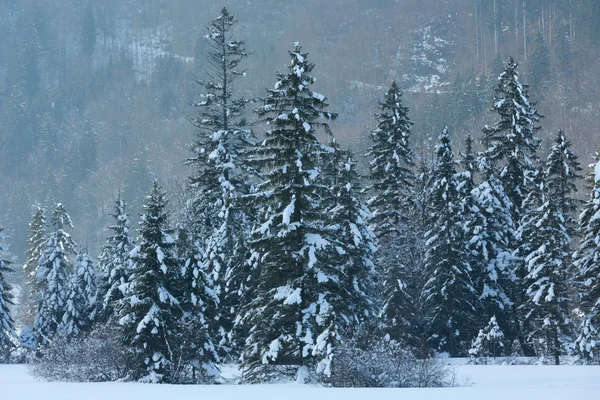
x,y
431,209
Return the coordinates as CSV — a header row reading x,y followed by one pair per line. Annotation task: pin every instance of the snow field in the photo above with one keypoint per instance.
x,y
481,382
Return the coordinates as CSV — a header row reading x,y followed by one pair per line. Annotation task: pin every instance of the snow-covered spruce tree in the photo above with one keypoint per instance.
x,y
490,231
394,217
198,300
511,142
151,307
294,285
81,307
7,326
351,268
53,274
548,254
585,260
563,170
36,239
114,264
219,180
489,342
449,290
512,148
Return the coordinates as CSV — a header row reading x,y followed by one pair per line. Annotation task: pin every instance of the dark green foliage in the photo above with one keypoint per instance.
x,y
293,286
53,275
219,215
449,291
115,264
585,259
7,325
511,142
152,310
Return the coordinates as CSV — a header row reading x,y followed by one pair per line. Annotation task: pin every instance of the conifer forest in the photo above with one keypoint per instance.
x,y
332,192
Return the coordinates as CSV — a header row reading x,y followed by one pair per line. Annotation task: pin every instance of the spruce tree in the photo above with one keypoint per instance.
x,y
489,341
151,308
563,170
392,161
7,326
588,270
547,231
219,220
512,142
35,242
449,291
511,147
53,274
81,307
292,306
394,216
199,303
351,269
114,263
490,231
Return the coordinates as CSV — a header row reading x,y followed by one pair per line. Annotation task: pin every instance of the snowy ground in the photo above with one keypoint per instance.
x,y
497,382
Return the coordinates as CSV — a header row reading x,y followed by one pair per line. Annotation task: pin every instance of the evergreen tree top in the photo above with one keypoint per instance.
x,y
60,218
562,172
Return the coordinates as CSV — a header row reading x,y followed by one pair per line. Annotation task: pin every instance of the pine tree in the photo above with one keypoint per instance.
x,y
392,161
491,232
512,144
351,270
512,148
547,251
450,290
35,242
563,170
489,341
53,275
114,263
199,303
81,307
292,306
394,214
588,270
152,310
220,179
7,325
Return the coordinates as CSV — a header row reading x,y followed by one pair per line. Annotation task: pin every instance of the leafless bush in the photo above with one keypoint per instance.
x,y
386,364
96,357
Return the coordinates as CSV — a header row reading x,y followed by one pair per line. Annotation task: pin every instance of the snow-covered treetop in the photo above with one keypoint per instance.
x,y
60,218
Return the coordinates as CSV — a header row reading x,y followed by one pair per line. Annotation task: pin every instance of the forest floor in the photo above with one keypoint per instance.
x,y
477,382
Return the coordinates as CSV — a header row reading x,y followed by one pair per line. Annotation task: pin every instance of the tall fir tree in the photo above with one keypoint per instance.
x,y
548,254
7,325
351,271
219,180
512,147
449,290
490,231
587,281
393,194
53,276
292,308
114,264
562,175
199,303
81,307
152,310
512,142
35,241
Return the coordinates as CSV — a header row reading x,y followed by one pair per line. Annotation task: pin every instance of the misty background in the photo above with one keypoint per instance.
x,y
94,96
